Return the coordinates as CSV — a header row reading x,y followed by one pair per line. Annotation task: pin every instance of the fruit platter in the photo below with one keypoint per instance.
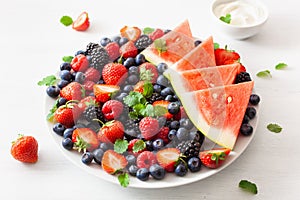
x,y
152,108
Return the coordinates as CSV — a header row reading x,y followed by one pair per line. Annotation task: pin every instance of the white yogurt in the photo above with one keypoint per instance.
x,y
242,13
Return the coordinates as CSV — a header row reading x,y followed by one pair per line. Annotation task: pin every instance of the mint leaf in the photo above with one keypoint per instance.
x,y
66,20
138,146
160,111
133,115
280,66
48,81
148,30
274,128
67,59
50,115
120,146
134,98
264,74
160,45
148,111
148,89
248,186
216,45
226,18
123,179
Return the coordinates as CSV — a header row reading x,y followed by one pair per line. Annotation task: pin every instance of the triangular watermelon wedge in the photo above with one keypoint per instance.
x,y
218,112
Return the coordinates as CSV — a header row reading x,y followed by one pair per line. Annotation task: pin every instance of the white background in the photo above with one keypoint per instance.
x,y
32,43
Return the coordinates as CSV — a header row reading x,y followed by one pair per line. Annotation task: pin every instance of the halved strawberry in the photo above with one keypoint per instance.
x,y
214,158
167,158
73,91
164,104
131,33
113,162
103,92
225,56
128,50
82,23
85,139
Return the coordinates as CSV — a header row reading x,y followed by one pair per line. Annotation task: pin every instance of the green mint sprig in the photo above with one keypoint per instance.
x,y
226,18
160,45
124,179
66,20
67,59
120,146
148,30
281,66
264,74
48,81
248,186
275,128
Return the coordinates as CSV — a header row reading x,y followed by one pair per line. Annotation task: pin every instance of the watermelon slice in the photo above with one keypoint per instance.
x,y
218,112
178,43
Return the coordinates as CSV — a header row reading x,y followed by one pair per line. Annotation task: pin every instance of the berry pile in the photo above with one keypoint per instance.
x,y
121,112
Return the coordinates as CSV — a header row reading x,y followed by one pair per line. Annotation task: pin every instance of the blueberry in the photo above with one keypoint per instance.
x,y
251,112
162,80
172,134
162,67
167,31
133,70
101,81
65,66
143,174
67,143
174,125
186,123
133,79
80,52
157,172
166,91
132,169
87,158
128,88
169,98
68,133
149,145
105,146
254,99
197,42
62,83
121,96
246,119
157,88
131,160
246,129
66,75
59,129
173,108
97,155
123,41
104,41
61,101
158,144
140,59
116,39
194,164
182,134
53,91
79,77
129,62
181,169
196,135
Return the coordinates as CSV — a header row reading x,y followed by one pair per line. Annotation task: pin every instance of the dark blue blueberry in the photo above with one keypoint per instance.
x,y
79,77
68,133
196,135
251,112
132,169
53,91
182,134
186,123
169,98
116,39
98,154
175,97
157,88
173,108
172,134
87,158
197,42
105,146
162,67
162,80
128,88
67,143
61,101
157,172
80,52
181,169
66,75
123,41
140,59
133,70
131,160
62,83
121,96
254,99
246,119
129,62
59,129
194,164
101,81
174,125
149,145
161,121
104,41
246,129
167,31
133,79
65,66
143,174
166,91
158,144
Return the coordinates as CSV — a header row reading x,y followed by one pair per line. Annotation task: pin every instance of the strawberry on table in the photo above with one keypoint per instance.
x,y
82,23
128,50
80,63
114,73
73,91
112,109
167,158
103,92
111,131
225,56
113,162
131,33
25,149
214,158
85,139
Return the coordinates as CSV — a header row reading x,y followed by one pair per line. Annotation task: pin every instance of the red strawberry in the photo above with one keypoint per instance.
x,y
181,114
111,131
113,162
73,91
149,127
146,159
167,158
163,134
144,87
113,50
92,74
158,33
164,104
66,115
81,106
85,139
114,73
79,63
131,145
82,23
214,158
148,72
223,56
128,50
88,86
103,92
25,149
112,109
131,33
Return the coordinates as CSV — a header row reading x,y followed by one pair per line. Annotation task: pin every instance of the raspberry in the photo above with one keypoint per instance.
x,y
92,74
88,85
80,63
149,127
113,50
158,33
112,109
146,159
163,134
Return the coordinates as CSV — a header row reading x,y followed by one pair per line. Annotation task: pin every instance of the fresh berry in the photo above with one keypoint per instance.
x,y
111,131
59,129
146,159
186,123
254,99
162,81
246,129
80,63
167,158
157,172
73,91
53,91
131,33
162,67
242,77
25,149
88,86
129,62
156,34
164,104
67,143
79,77
189,148
65,115
163,134
131,160
251,112
132,169
149,127
197,42
173,108
158,144
112,109
93,112
82,23
62,83
105,41
167,91
140,59
181,169
113,50
87,158
133,142
143,174
90,47
214,158
99,58
92,74
98,155
114,74
143,42
84,139
194,164
122,41
68,133
65,66
113,162
148,72
103,92
128,50
65,75
222,56
182,134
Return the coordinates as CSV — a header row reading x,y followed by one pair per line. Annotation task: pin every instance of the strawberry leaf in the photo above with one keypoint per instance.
x,y
274,128
216,45
248,186
264,74
147,111
66,20
160,110
160,45
48,81
67,59
123,179
120,146
148,30
138,146
148,89
226,18
280,66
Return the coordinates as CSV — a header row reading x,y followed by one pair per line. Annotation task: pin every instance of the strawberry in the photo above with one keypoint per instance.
x,y
103,92
180,114
146,159
131,33
25,149
163,103
111,131
88,86
144,87
80,63
131,145
149,127
113,162
157,33
214,158
114,73
85,139
92,74
112,109
128,50
82,23
167,158
163,134
113,50
223,56
66,115
73,91
81,106
148,72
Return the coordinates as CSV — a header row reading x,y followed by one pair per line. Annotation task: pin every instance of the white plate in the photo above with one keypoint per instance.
x,y
171,180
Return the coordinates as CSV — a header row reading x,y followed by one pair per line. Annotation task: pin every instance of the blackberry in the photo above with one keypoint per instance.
x,y
131,129
155,97
143,42
99,58
189,148
90,47
242,77
93,112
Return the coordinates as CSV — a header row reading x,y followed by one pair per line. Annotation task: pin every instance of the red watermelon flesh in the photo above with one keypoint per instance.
x,y
184,28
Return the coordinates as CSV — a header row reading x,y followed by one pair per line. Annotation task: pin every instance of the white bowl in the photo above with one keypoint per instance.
x,y
247,17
